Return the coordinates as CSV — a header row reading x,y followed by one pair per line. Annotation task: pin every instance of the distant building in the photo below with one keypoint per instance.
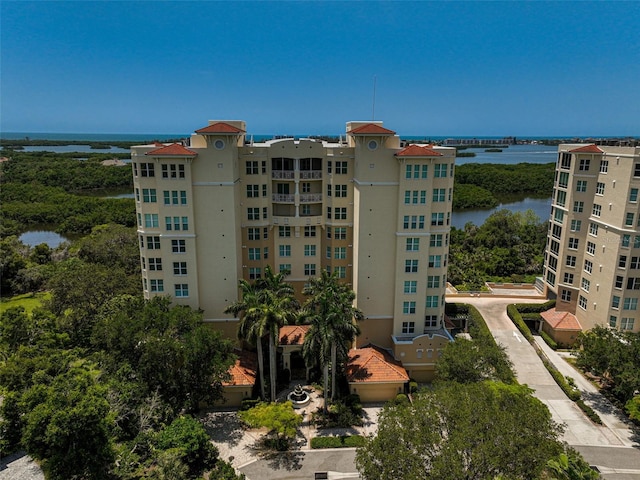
x,y
593,245
224,208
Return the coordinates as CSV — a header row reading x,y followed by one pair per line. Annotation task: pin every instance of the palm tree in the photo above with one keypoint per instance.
x,y
266,305
331,313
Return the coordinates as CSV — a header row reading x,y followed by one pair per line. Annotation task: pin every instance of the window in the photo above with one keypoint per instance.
x,y
618,282
253,233
255,273
155,264
626,323
430,321
439,194
153,243
563,180
265,213
151,220
581,186
306,210
604,166
340,213
630,304
172,170
571,261
341,168
553,263
558,215
306,187
566,295
596,211
309,250
568,278
309,231
285,250
181,290
584,164
565,160
340,253
633,195
341,272
555,247
636,241
411,266
157,285
440,170
433,281
561,198
176,223
575,225
309,269
413,244
435,240
432,301
591,248
615,302
178,246
179,268
582,301
613,321
413,222
633,283
636,169
340,233
573,243
410,286
435,261
284,232
408,308
408,327
593,229
253,213
149,195
634,264
264,189
586,284
599,188
416,171
628,221
622,261
254,253
626,240
340,191
253,191
578,207
437,219
588,266
147,170
252,167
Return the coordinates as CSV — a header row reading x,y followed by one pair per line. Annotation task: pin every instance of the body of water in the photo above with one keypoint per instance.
x,y
36,237
73,148
541,207
512,154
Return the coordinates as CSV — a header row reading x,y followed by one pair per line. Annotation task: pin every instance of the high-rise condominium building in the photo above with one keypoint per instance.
x,y
592,259
373,211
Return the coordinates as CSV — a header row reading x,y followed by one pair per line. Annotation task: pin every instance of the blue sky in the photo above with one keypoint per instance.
x,y
443,68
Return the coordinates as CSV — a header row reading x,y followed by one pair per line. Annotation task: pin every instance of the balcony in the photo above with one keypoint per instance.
x,y
283,174
311,175
283,198
310,197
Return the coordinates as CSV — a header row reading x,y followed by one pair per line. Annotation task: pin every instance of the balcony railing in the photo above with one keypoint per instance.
x,y
310,197
283,198
283,174
311,174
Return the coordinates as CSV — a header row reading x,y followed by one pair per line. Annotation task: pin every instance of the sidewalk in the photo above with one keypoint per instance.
x,y
611,416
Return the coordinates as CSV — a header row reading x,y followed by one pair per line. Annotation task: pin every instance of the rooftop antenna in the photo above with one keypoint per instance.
x,y
373,109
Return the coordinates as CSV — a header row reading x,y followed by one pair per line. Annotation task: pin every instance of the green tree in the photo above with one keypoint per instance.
x,y
330,312
280,418
462,432
570,465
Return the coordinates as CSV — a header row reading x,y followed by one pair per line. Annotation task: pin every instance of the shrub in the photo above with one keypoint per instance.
x,y
248,403
535,307
413,387
595,418
516,318
633,408
343,441
549,341
401,399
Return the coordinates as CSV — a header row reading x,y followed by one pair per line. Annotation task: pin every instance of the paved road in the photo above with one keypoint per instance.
x,y
614,447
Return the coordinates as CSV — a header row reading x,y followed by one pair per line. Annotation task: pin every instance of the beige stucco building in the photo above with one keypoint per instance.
x,y
366,206
593,246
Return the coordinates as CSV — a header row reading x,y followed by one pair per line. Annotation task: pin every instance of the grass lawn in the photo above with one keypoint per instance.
x,y
28,301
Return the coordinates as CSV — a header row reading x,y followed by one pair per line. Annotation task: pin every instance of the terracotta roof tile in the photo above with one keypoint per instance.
x,y
174,150
418,151
373,364
292,334
371,129
220,127
561,320
587,149
243,371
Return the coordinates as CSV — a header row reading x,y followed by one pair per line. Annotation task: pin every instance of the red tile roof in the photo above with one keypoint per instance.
x,y
561,320
243,372
292,334
418,151
374,365
220,127
371,129
587,149
174,150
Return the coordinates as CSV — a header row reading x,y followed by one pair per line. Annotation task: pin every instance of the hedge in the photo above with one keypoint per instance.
x,y
516,318
535,307
549,341
343,441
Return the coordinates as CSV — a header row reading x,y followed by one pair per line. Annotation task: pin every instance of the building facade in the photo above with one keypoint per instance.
x,y
592,259
376,212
